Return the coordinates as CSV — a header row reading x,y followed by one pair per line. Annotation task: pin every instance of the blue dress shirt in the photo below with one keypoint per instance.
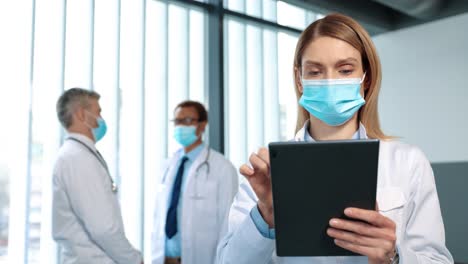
x,y
173,247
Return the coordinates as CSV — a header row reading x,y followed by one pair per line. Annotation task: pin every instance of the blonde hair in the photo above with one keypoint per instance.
x,y
346,29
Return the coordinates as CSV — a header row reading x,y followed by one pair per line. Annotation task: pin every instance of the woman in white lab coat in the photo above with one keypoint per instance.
x,y
207,192
337,79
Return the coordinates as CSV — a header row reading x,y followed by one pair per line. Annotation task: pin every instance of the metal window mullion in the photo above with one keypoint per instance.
x,y
224,79
278,127
33,38
29,136
64,43
273,14
166,81
254,76
216,99
62,54
118,178
142,127
262,74
271,131
28,177
62,84
187,48
91,53
244,86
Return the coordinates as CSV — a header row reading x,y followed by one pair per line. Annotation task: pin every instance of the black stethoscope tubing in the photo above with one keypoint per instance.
x,y
113,185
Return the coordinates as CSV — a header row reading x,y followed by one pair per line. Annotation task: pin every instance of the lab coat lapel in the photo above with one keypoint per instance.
x,y
171,169
189,223
300,135
191,174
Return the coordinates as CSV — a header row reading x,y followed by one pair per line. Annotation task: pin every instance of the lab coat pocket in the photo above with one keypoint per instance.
x,y
391,202
205,244
161,195
160,209
206,203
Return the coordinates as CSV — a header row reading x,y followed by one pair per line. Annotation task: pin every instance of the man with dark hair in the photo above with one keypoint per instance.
x,y
86,219
194,193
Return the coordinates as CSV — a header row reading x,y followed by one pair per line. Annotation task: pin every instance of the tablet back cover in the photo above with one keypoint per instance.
x,y
314,182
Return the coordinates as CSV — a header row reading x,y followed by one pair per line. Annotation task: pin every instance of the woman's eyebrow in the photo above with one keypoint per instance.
x,y
347,60
339,62
312,63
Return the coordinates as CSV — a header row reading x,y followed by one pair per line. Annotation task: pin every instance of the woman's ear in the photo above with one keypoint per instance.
x,y
366,81
366,84
297,79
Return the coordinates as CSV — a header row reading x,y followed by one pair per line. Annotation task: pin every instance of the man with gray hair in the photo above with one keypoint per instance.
x,y
86,218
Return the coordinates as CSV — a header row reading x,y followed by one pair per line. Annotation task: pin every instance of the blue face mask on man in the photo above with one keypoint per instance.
x,y
334,101
185,135
100,131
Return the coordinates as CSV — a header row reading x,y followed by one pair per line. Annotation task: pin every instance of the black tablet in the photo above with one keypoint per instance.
x,y
313,182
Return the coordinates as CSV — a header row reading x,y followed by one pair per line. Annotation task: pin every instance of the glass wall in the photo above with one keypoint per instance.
x,y
143,57
260,98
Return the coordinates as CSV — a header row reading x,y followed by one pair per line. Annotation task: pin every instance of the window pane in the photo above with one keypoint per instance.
x,y
287,95
235,85
175,60
236,5
261,104
197,48
290,15
105,77
4,202
253,8
177,64
100,45
156,115
48,80
131,124
287,14
78,45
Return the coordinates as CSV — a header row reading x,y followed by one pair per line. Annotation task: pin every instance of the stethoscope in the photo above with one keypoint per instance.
x,y
205,164
114,187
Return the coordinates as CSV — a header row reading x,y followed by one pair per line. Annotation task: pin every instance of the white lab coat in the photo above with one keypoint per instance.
x,y
406,193
86,217
205,205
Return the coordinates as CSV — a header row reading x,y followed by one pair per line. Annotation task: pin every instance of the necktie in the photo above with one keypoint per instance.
x,y
171,219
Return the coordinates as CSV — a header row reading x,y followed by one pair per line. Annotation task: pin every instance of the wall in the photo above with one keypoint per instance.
x,y
424,101
424,95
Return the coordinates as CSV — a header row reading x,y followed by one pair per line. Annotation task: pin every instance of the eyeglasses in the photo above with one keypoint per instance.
x,y
184,121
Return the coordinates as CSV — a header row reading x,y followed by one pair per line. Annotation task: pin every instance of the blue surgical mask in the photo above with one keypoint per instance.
x,y
100,130
334,101
185,135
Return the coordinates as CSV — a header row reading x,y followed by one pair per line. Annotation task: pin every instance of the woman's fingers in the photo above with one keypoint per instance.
x,y
264,154
371,234
358,239
246,170
259,165
364,229
370,216
258,175
376,255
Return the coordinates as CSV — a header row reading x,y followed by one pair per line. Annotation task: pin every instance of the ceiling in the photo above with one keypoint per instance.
x,y
379,16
